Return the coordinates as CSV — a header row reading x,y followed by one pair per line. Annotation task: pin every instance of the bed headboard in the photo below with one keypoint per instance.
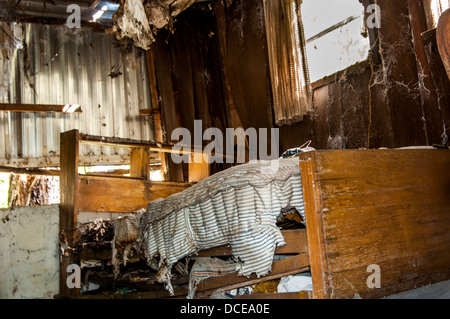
x,y
376,208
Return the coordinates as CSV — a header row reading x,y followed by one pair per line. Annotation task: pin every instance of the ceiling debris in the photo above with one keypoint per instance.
x,y
141,19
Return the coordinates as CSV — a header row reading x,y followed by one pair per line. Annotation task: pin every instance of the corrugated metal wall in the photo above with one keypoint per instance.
x,y
47,64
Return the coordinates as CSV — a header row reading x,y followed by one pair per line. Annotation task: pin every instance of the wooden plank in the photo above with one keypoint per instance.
x,y
111,194
31,108
140,163
311,197
389,208
296,242
68,208
280,268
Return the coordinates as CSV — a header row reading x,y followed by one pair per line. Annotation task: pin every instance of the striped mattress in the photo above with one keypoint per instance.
x,y
237,207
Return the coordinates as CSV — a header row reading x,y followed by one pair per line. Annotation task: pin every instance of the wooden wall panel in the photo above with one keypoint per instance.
x,y
385,207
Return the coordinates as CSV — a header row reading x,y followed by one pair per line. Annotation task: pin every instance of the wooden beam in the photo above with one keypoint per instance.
x,y
121,195
39,108
140,163
68,206
29,171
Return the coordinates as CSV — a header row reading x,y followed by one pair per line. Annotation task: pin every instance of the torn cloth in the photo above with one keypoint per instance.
x,y
137,19
238,206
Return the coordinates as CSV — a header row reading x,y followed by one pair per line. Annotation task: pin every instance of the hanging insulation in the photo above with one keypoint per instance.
x,y
292,96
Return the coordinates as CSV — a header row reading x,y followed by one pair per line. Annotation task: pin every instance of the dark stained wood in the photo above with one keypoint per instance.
x,y
433,118
68,208
384,207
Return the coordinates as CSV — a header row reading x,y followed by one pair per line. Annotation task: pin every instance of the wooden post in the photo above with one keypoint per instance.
x,y
140,163
68,207
156,111
316,246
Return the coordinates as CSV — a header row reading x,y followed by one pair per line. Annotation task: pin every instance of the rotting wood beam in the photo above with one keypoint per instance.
x,y
37,108
155,112
68,208
29,171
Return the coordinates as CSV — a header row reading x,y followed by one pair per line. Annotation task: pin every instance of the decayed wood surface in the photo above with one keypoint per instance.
x,y
31,108
68,208
390,208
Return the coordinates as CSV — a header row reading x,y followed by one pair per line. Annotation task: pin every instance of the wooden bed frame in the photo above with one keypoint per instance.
x,y
388,208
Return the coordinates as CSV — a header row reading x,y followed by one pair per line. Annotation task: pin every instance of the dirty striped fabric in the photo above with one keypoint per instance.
x,y
238,207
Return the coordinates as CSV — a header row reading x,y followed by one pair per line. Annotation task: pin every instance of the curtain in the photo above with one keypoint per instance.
x,y
292,96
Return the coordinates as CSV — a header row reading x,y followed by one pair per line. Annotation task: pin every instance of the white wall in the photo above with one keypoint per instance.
x,y
29,266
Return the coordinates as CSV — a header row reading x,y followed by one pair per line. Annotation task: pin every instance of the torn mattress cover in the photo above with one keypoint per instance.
x,y
237,207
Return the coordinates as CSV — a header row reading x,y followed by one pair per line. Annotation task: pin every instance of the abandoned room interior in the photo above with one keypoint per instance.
x,y
224,149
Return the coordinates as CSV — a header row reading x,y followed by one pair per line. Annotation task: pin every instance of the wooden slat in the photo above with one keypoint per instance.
x,y
31,108
389,208
280,268
296,242
111,194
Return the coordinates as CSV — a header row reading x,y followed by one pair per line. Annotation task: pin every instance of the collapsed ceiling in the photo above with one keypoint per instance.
x,y
140,19
137,19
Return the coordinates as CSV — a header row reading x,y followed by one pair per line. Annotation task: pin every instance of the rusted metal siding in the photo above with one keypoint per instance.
x,y
46,64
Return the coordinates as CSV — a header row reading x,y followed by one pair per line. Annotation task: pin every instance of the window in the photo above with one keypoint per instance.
x,y
335,35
